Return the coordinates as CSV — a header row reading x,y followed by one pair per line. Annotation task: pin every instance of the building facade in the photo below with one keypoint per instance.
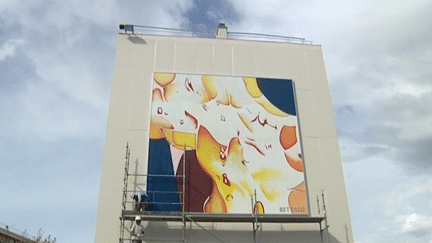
x,y
229,140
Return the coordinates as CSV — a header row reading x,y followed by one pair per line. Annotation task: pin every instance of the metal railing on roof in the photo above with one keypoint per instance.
x,y
264,37
17,232
150,30
160,31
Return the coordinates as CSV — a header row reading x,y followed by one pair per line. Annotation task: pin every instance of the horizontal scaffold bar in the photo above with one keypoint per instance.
x,y
227,218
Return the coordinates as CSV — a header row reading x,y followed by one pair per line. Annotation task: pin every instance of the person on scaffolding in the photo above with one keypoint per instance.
x,y
141,201
137,231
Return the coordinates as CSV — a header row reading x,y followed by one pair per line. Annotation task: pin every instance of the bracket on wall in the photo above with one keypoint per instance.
x,y
127,28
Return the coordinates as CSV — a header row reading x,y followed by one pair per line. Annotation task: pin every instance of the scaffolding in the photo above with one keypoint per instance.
x,y
183,216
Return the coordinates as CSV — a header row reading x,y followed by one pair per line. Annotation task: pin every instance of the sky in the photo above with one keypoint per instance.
x,y
56,65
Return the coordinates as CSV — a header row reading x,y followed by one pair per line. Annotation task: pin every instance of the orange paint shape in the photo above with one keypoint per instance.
x,y
155,132
163,79
297,199
192,119
288,136
157,95
295,163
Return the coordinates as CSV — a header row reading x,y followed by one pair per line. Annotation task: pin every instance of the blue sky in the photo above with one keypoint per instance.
x,y
56,63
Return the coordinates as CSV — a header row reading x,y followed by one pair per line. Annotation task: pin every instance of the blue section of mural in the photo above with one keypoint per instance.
x,y
279,92
161,190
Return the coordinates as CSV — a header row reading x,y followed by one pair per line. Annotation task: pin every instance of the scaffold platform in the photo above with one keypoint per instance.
x,y
220,218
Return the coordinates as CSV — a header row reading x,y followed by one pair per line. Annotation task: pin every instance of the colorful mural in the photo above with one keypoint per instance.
x,y
233,138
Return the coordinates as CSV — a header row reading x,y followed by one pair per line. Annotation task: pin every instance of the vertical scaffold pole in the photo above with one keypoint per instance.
x,y
253,215
325,216
184,195
256,237
125,185
319,213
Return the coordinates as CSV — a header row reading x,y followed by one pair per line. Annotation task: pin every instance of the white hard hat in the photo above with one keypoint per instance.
x,y
137,218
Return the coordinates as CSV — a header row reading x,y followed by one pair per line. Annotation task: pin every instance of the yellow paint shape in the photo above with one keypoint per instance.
x,y
155,132
215,203
225,99
269,191
168,135
270,107
252,87
267,174
209,151
247,187
169,90
205,96
234,103
184,140
246,122
267,178
163,79
161,122
209,86
259,208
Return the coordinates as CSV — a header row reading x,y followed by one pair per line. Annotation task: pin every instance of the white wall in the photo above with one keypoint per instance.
x,y
139,56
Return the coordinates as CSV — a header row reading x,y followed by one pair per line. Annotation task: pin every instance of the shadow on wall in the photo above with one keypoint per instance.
x,y
136,40
160,231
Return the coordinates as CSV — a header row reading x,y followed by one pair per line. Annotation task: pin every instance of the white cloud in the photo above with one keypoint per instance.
x,y
417,224
8,48
53,119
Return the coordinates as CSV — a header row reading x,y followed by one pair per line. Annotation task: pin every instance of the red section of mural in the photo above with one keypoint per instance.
x,y
198,184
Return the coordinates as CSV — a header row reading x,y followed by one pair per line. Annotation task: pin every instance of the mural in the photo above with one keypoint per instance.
x,y
233,138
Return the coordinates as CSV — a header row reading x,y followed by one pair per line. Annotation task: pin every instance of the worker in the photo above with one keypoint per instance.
x,y
137,231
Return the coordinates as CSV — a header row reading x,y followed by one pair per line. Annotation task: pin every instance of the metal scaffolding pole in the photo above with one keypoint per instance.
x,y
125,186
184,195
325,218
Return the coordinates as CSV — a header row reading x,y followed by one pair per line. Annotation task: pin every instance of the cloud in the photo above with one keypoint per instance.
x,y
385,198
417,225
8,48
57,59
377,56
205,15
